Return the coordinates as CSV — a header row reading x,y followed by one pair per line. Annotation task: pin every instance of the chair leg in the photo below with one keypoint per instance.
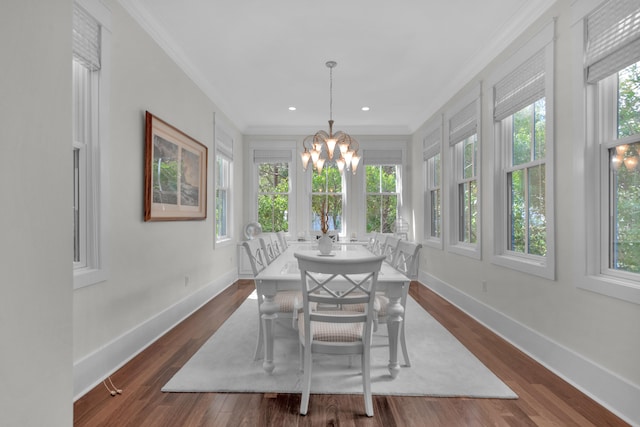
x,y
403,342
366,383
260,342
306,385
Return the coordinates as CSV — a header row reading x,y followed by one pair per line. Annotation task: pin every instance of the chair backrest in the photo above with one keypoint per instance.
x,y
256,255
283,241
377,247
338,282
389,248
406,258
269,247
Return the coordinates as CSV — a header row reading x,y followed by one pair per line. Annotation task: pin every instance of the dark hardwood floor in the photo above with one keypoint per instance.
x,y
544,398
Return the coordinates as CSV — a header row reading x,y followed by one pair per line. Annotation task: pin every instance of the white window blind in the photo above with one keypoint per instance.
x,y
224,144
522,87
463,124
431,143
613,38
272,156
86,39
382,157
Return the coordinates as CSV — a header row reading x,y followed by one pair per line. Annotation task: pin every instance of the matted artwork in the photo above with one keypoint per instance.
x,y
175,174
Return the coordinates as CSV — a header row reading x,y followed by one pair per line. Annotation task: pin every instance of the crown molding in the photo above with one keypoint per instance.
x,y
166,43
521,21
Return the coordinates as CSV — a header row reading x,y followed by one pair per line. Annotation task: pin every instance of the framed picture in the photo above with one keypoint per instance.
x,y
175,174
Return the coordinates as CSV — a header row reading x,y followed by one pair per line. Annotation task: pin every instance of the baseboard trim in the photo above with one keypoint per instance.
x,y
607,388
94,368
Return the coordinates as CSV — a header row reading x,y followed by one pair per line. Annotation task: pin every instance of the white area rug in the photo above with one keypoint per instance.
x,y
440,364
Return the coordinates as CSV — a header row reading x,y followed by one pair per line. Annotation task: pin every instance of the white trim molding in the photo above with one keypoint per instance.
x,y
95,367
615,393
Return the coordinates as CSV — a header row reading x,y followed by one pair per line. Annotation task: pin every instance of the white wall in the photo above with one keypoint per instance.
x,y
591,339
35,225
146,291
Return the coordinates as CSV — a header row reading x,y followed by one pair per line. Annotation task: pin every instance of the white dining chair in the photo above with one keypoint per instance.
x,y
389,248
405,260
378,243
270,246
334,282
286,300
283,241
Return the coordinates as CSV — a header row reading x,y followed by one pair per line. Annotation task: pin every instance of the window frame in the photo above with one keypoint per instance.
x,y
452,243
591,166
432,147
397,193
288,147
92,176
224,152
542,266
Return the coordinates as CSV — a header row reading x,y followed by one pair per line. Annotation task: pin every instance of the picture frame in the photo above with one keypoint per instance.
x,y
175,173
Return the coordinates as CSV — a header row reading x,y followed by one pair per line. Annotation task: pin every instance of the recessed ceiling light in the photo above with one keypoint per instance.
x,y
365,108
292,108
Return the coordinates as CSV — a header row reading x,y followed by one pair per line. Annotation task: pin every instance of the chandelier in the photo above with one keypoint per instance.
x,y
321,146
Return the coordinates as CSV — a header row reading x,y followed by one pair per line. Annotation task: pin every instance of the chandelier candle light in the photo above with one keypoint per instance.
x,y
321,146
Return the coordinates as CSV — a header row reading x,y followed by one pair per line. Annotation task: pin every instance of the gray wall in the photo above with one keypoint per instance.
x,y
35,226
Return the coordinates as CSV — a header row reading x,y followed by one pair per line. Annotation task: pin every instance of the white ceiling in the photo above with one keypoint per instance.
x,y
402,58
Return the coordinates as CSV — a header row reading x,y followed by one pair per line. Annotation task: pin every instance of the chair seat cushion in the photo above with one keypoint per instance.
x,y
332,332
286,300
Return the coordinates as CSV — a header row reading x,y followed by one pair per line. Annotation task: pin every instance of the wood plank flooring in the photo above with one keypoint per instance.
x,y
544,398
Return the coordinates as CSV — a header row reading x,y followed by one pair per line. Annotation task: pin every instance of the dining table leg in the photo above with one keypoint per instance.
x,y
268,312
395,312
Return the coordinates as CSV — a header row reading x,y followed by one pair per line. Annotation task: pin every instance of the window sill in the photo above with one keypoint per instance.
x,y
83,277
471,251
625,290
224,242
536,266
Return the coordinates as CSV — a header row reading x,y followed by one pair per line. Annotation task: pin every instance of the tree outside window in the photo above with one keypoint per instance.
x,y
273,196
526,181
381,197
326,196
624,252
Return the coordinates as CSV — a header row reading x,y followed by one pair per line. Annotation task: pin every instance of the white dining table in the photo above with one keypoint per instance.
x,y
283,274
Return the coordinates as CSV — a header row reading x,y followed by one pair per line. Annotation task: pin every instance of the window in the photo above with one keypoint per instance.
x,y
464,231
381,197
523,123
327,196
382,187
433,188
224,162
90,71
274,189
610,87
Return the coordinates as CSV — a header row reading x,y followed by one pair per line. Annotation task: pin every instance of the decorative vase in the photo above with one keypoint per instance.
x,y
325,244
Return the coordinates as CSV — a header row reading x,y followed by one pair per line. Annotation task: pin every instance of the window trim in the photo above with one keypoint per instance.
x,y
526,263
452,244
294,158
432,146
374,154
224,149
96,269
587,151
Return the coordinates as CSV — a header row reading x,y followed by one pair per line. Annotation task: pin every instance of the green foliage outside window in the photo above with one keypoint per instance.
x,y
326,189
527,222
625,222
382,198
273,196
